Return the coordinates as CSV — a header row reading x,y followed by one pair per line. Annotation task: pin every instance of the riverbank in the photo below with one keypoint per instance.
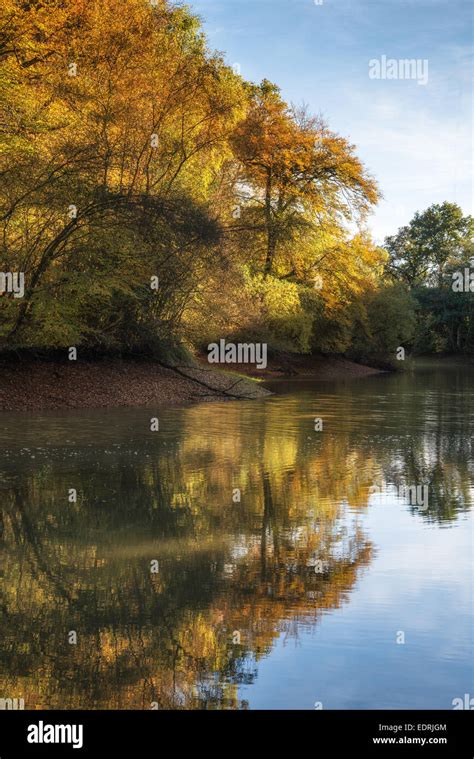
x,y
317,367
41,384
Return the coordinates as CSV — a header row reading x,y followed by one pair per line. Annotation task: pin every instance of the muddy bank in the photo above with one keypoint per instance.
x,y
35,385
40,384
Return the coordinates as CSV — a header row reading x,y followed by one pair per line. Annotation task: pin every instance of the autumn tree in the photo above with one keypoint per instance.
x,y
132,153
124,120
296,173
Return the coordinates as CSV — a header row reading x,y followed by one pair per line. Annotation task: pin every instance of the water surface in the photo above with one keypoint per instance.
x,y
239,557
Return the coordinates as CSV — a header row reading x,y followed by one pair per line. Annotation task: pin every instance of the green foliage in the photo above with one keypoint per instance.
x,y
420,252
445,321
391,320
286,322
371,327
428,254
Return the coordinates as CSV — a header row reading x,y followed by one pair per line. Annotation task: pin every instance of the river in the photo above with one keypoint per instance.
x,y
250,554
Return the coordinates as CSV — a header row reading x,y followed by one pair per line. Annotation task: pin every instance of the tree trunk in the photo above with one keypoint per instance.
x,y
271,237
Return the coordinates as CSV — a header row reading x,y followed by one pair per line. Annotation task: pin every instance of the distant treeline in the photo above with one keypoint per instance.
x,y
152,198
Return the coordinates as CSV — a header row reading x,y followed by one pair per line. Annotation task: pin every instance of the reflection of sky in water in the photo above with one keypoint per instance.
x,y
419,582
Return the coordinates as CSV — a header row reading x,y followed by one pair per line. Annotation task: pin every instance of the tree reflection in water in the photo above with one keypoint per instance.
x,y
233,577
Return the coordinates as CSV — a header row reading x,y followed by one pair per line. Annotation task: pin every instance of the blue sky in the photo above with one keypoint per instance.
x,y
416,139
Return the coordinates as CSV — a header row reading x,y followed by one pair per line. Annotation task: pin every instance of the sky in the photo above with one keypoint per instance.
x,y
416,139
